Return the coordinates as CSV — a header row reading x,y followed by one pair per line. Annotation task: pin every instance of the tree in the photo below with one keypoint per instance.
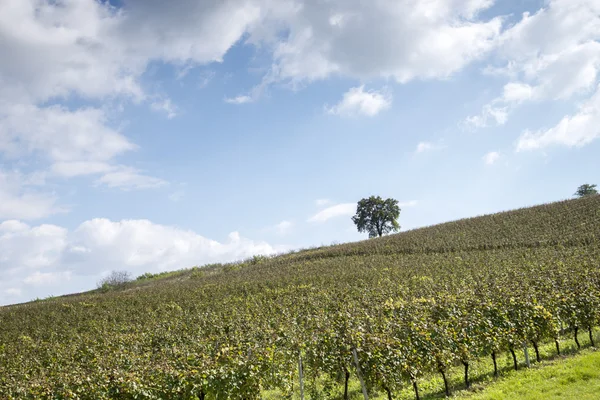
x,y
586,190
377,216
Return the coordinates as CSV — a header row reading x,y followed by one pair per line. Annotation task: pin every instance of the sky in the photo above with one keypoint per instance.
x,y
151,135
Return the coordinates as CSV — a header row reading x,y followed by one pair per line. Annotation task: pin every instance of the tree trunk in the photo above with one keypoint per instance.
x,y
389,393
202,395
415,388
359,373
576,339
467,383
514,356
446,387
537,351
591,336
557,346
301,376
347,377
495,365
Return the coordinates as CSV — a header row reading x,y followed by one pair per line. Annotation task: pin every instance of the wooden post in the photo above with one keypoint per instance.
x,y
359,373
526,354
301,376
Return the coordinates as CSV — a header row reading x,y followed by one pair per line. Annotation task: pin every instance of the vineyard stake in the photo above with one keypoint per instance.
x,y
359,373
301,376
526,354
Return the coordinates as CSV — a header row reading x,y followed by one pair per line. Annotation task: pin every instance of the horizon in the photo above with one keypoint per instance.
x,y
291,251
148,136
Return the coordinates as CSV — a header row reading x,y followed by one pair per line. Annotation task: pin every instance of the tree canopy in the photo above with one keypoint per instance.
x,y
377,216
586,190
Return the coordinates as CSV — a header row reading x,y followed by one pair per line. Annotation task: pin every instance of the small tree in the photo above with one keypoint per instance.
x,y
377,216
586,190
115,279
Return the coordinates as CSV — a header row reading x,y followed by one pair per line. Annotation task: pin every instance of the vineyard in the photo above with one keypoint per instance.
x,y
387,312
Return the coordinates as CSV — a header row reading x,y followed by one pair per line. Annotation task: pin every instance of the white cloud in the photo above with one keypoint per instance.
x,y
47,278
574,130
358,102
129,178
424,146
23,247
35,259
403,40
20,200
491,157
114,176
141,243
74,143
284,227
242,99
71,169
338,210
59,134
322,202
89,50
490,114
13,291
516,92
553,54
165,106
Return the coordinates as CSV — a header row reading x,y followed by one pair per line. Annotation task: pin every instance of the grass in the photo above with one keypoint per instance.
x,y
575,377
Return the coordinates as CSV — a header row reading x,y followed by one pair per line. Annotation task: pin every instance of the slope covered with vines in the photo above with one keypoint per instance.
x,y
387,310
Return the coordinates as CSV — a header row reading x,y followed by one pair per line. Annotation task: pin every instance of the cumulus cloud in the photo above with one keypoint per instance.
x,y
423,147
491,157
59,134
574,130
284,227
553,54
90,50
20,199
24,247
37,259
357,101
402,40
338,210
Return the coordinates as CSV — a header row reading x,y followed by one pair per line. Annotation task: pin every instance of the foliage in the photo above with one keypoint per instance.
x,y
586,190
377,216
411,304
114,280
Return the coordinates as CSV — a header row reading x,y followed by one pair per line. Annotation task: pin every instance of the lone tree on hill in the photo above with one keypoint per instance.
x,y
377,216
586,190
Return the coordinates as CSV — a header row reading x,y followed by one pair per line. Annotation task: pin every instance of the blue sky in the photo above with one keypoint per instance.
x,y
150,136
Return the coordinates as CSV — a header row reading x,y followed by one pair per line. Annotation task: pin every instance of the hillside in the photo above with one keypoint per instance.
x,y
404,306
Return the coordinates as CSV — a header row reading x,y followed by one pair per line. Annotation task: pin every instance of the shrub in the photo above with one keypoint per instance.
x,y
114,280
